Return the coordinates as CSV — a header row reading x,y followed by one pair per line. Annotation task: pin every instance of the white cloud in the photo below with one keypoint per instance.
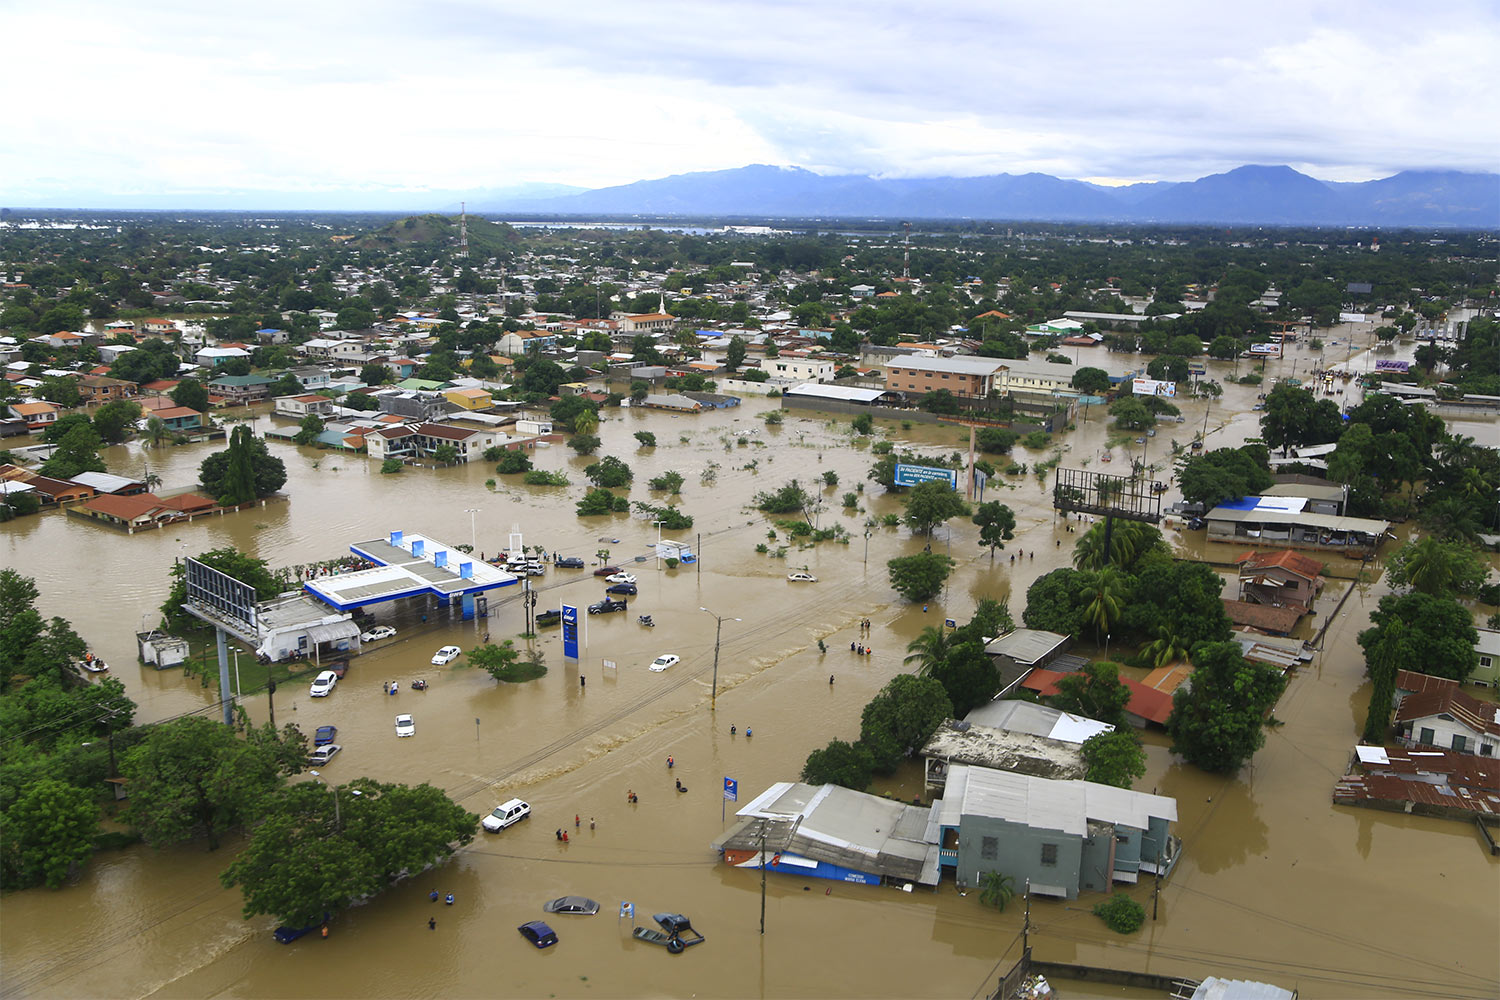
x,y
166,95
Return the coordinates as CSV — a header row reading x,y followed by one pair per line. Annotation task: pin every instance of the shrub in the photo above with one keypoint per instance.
x,y
773,418
863,424
1121,914
670,481
1037,440
601,501
672,562
882,447
646,438
585,444
830,478
851,500
512,462
538,477
391,465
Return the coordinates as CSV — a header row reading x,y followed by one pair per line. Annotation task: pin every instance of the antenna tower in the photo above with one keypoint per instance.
x,y
906,254
463,230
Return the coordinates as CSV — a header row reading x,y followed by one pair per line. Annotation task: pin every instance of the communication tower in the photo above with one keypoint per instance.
x,y
906,254
463,230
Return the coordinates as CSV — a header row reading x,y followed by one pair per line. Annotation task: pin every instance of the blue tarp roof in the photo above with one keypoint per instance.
x,y
1240,503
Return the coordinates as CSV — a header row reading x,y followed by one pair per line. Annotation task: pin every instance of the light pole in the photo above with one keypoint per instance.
x,y
238,691
719,621
658,524
473,533
338,820
867,545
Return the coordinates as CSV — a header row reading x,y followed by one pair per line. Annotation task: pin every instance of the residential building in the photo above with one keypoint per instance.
x,y
1435,712
391,442
103,389
799,369
242,389
1023,749
1060,837
469,399
1425,782
922,373
302,405
1147,706
1487,674
470,443
1262,617
414,406
218,357
104,483
179,418
1020,651
519,342
1283,521
830,832
312,378
1283,579
37,414
1023,375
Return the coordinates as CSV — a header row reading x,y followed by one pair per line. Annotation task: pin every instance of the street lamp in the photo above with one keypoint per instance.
x,y
473,535
658,524
719,621
338,820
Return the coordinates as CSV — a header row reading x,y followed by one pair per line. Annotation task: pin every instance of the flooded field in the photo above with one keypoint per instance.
x,y
1275,882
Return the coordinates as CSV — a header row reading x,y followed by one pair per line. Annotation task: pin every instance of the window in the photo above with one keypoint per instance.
x,y
1486,750
1460,743
1426,736
989,848
1486,661
1049,855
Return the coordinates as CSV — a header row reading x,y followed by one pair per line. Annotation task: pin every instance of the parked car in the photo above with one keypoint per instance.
x,y
571,904
663,662
549,617
606,570
538,933
446,655
323,684
606,606
569,562
620,577
286,933
339,667
377,633
1196,523
325,734
621,588
323,754
506,814
802,578
405,726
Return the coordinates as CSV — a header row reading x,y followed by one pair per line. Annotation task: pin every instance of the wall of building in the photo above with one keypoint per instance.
x,y
1018,853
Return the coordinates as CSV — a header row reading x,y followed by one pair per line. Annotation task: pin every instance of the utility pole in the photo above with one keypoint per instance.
x,y
1156,892
719,620
763,825
1026,925
271,699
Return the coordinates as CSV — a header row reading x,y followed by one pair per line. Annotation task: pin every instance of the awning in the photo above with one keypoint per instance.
x,y
334,632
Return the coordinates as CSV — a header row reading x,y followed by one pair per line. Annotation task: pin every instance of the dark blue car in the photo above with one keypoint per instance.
x,y
325,735
286,934
538,933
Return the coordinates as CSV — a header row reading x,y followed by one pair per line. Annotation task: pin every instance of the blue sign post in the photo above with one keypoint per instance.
x,y
731,794
912,475
570,631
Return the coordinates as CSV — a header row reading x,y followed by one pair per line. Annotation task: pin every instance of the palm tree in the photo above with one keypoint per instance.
x,y
929,650
1166,648
586,422
1105,591
156,432
996,890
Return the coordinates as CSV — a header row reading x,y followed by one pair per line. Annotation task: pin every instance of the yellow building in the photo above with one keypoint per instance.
x,y
469,399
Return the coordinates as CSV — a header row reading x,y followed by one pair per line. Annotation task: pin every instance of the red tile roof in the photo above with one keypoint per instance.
x,y
189,502
1147,703
1262,616
125,508
1292,562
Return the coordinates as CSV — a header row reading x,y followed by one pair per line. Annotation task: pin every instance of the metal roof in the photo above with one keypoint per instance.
x,y
1049,805
959,365
822,390
408,564
1329,522
1036,720
1025,645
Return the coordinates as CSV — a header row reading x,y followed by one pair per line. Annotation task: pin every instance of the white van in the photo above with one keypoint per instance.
x,y
505,815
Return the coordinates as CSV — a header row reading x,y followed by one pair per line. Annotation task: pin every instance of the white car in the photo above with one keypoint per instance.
x,y
323,754
323,684
446,655
505,814
376,633
663,662
620,578
405,726
802,578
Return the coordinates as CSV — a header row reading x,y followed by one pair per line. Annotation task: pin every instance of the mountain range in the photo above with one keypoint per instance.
x,y
1264,195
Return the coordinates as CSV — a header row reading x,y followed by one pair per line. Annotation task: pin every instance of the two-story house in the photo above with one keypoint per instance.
x,y
1435,712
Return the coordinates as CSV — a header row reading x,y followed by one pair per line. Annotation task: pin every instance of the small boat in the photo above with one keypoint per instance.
x,y
93,664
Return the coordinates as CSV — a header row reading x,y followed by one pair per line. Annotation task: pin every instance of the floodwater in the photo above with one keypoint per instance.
x,y
1275,882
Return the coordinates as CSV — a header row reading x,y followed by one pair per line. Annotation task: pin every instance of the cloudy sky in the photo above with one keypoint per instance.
x,y
357,100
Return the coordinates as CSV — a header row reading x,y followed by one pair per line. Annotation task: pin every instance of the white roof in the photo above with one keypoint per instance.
x,y
103,481
935,363
822,390
1048,804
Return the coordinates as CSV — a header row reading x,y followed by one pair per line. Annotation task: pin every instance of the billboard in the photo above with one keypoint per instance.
x,y
1197,368
1388,365
912,475
1266,350
1152,387
219,594
570,631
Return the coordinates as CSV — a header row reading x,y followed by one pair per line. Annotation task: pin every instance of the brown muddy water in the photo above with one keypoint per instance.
x,y
1275,883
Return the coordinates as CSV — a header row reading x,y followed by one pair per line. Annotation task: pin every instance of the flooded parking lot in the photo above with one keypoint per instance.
x,y
1275,882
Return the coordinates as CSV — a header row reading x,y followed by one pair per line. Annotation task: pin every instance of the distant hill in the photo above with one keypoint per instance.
x,y
441,231
1266,195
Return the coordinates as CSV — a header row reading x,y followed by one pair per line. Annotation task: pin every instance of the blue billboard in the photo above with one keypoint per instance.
x,y
570,631
911,475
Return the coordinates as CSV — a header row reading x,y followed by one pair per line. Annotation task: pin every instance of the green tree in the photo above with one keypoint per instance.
x,y
156,431
1293,416
1433,566
286,385
1382,660
312,425
601,501
646,439
734,354
267,473
391,466
1096,691
997,525
115,420
671,481
1131,414
375,373
902,717
584,444
1093,381
1104,593
512,462
503,662
46,833
789,499
928,650
194,777
1114,758
919,577
1438,634
1053,603
864,424
930,504
586,422
231,562
996,440
1219,722
78,451
609,472
1129,543
1223,474
967,674
320,849
996,890
1121,914
445,454
62,391
1167,647
239,470
59,428
939,401
840,763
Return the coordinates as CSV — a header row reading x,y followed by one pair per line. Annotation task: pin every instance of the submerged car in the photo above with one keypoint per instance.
x,y
605,606
323,684
377,633
621,588
506,814
802,578
325,734
571,904
323,754
405,726
663,662
569,562
620,577
446,655
550,617
538,933
606,571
